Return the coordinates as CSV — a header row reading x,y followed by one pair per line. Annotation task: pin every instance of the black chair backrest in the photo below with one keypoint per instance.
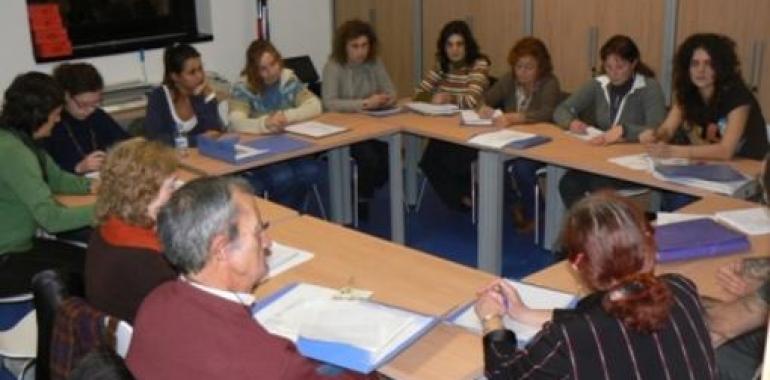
x,y
303,67
305,71
49,290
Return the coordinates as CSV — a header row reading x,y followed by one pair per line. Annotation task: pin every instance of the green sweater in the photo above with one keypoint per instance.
x,y
26,200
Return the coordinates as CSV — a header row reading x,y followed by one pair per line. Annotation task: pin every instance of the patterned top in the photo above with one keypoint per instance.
x,y
465,84
589,343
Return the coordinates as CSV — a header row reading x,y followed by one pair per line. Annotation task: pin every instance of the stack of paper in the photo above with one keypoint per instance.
x,y
470,117
282,258
534,297
751,221
591,132
315,129
356,334
433,109
383,112
508,137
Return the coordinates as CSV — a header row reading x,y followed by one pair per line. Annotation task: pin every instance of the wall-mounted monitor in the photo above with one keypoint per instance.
x,y
66,29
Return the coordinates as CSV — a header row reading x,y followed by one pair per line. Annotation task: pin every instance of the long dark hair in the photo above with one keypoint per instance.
x,y
624,47
174,58
724,61
613,247
459,27
27,104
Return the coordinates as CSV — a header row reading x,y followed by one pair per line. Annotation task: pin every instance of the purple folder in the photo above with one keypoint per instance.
x,y
698,238
708,172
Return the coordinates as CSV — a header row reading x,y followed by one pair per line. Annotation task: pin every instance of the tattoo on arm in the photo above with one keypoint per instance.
x,y
757,268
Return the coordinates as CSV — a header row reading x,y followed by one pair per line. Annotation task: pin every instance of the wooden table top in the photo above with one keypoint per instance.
x,y
701,271
397,275
360,128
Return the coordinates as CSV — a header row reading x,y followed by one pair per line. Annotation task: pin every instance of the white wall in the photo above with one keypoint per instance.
x,y
233,23
302,27
297,27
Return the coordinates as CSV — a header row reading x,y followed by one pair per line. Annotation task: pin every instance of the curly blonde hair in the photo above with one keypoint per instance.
x,y
131,178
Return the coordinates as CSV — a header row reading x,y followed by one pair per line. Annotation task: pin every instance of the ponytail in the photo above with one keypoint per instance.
x,y
641,301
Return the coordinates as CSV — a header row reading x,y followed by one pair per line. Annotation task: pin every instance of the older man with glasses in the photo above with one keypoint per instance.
x,y
201,326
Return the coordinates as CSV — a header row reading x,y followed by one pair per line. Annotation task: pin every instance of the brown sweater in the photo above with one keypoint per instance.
x,y
123,264
182,332
545,97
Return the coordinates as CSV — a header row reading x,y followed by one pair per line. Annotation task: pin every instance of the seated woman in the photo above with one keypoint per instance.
x,y
460,78
78,142
714,115
632,323
28,179
185,105
528,94
356,80
623,102
124,260
267,99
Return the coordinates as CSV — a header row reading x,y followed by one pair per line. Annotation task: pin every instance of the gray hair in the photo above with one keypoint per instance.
x,y
194,215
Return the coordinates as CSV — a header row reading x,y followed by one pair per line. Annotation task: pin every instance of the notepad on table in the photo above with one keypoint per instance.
x,y
698,238
535,297
590,133
722,180
751,221
433,109
508,138
470,117
315,129
283,257
359,335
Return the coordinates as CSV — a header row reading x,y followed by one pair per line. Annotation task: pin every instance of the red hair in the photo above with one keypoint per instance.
x,y
613,247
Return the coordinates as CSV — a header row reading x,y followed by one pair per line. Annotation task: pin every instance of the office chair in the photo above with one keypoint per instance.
x,y
305,71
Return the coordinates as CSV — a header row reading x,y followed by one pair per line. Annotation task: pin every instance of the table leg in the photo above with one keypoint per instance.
x,y
396,164
554,207
490,227
412,151
340,191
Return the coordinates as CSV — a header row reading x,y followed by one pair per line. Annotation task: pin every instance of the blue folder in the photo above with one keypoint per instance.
x,y
342,354
707,172
698,238
223,147
530,142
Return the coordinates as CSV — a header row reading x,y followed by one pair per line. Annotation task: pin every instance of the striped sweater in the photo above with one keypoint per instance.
x,y
588,343
465,84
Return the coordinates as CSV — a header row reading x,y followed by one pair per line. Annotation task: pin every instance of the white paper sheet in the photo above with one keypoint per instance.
x,y
499,139
664,218
245,151
470,117
750,221
284,257
591,132
534,297
315,129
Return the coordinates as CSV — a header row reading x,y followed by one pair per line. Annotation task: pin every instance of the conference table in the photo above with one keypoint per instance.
x,y
563,152
359,128
398,276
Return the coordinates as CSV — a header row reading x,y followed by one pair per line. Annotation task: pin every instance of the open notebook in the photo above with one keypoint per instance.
x,y
283,257
359,335
472,118
591,132
433,109
534,297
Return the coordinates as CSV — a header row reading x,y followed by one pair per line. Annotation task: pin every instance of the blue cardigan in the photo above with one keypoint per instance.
x,y
159,123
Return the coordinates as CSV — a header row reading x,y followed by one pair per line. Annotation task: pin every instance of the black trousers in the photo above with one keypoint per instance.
x,y
372,160
576,184
448,169
18,268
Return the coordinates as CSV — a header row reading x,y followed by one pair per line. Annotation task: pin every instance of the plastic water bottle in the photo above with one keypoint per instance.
x,y
181,143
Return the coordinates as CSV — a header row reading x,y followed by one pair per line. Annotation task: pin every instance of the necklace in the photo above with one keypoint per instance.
x,y
75,141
